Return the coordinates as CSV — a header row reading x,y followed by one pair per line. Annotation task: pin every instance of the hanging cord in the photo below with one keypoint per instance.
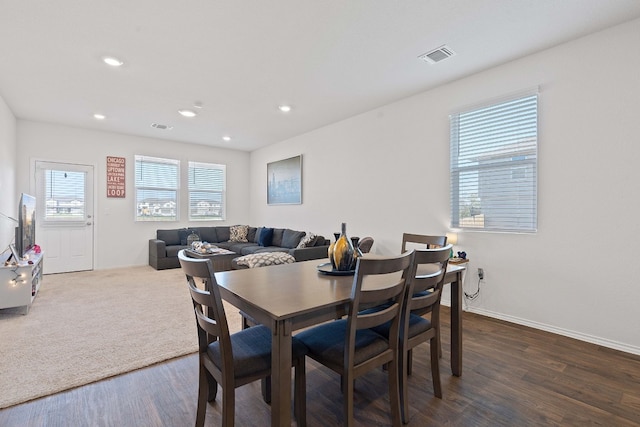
x,y
475,294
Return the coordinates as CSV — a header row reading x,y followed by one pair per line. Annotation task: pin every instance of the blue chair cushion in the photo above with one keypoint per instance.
x,y
417,325
252,351
326,342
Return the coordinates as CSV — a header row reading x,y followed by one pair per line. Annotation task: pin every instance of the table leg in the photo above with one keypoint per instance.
x,y
456,325
281,374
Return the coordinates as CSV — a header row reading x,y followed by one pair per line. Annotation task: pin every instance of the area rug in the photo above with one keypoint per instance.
x,y
87,326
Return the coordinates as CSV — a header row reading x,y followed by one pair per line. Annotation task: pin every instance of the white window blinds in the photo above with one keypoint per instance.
x,y
207,189
157,186
494,151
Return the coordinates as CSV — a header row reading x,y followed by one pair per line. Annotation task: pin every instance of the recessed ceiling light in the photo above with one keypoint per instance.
x,y
187,113
226,138
284,108
99,116
110,60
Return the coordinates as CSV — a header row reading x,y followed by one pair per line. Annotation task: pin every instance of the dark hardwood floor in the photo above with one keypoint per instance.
x,y
512,376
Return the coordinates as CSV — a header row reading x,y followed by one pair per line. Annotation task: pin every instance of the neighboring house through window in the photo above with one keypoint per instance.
x,y
157,184
207,191
494,152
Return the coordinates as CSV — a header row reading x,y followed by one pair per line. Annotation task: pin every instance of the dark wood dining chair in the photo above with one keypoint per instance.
x,y
410,241
349,346
430,241
365,244
231,360
422,297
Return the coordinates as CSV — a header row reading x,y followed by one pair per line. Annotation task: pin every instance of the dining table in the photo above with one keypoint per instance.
x,y
290,297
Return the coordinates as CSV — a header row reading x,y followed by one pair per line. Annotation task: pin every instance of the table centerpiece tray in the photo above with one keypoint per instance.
x,y
327,269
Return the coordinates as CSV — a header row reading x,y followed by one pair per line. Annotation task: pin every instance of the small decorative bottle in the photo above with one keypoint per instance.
x,y
331,248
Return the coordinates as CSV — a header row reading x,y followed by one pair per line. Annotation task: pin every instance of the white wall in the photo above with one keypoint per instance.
x,y
8,197
120,241
386,171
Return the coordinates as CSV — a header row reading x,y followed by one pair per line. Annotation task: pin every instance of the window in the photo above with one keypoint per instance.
x,y
207,187
64,195
157,189
494,151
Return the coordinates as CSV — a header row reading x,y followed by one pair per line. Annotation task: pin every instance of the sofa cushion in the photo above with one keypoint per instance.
x,y
251,234
266,237
238,233
250,248
223,233
207,234
260,249
307,240
291,238
172,251
257,236
277,237
170,237
264,259
237,247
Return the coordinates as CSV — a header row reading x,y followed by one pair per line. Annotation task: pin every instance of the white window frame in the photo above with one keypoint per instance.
x,y
494,163
217,190
165,183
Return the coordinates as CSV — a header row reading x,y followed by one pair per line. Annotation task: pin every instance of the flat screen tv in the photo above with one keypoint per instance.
x,y
26,230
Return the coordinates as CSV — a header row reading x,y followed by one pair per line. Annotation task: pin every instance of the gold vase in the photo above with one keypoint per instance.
x,y
343,252
330,250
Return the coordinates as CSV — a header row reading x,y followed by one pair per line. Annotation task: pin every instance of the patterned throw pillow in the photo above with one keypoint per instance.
x,y
308,238
238,233
265,258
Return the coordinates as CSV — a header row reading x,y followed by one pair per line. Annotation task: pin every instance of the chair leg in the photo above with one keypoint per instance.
x,y
300,392
347,386
212,386
228,406
409,362
435,367
203,391
404,387
394,392
266,389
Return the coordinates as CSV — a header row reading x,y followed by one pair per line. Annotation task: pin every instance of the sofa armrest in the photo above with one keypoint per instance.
x,y
314,252
157,248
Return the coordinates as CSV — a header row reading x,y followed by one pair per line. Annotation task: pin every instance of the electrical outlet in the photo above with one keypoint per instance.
x,y
480,273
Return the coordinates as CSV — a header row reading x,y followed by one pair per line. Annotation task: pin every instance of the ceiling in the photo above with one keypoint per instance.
x,y
239,60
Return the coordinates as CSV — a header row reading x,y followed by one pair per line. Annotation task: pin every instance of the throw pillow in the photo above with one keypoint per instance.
x,y
306,240
265,258
238,233
265,237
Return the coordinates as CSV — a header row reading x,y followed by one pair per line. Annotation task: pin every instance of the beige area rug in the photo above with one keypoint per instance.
x,y
87,326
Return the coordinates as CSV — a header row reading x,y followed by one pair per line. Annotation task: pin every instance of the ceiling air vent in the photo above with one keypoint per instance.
x,y
437,55
161,127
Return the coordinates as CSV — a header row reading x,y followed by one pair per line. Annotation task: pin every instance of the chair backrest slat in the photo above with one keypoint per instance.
x,y
430,242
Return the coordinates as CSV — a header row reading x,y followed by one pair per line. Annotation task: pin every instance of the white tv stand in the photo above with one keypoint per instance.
x,y
20,283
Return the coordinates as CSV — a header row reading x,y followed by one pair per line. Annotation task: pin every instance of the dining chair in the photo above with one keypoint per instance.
x,y
349,346
410,241
231,360
431,241
422,297
365,244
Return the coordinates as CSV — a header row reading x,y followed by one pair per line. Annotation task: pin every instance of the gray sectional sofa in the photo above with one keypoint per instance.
x,y
163,250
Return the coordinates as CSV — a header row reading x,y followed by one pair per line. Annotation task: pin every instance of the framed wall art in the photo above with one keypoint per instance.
x,y
284,181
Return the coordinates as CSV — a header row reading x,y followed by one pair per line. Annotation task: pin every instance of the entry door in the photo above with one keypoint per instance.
x,y
64,225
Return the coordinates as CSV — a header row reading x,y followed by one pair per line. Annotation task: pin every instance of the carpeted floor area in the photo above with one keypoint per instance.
x,y
87,326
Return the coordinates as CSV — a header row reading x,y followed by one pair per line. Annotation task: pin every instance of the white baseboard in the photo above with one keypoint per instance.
x,y
549,328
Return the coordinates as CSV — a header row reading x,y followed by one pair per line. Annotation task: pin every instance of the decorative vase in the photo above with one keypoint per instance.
x,y
355,241
330,250
344,258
